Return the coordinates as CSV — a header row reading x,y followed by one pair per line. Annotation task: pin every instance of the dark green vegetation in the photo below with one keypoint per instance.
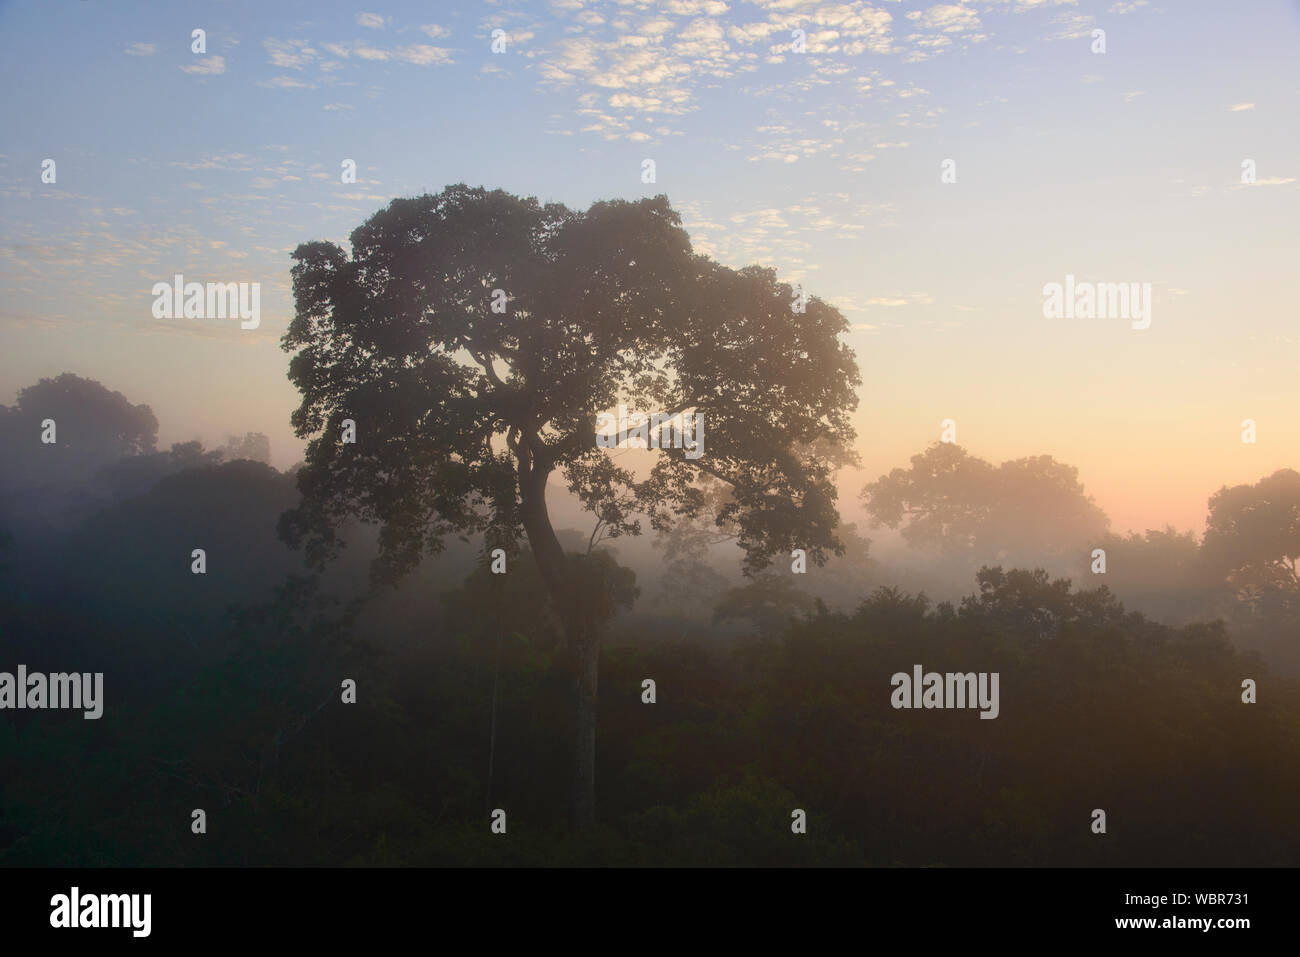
x,y
223,692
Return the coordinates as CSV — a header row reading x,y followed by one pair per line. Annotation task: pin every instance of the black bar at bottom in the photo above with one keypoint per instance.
x,y
330,907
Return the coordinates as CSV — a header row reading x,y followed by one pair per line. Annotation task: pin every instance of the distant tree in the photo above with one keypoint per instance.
x,y
1159,572
94,427
464,411
1027,510
1030,603
690,582
254,446
846,577
137,474
49,487
892,609
484,603
691,578
770,601
1252,540
146,541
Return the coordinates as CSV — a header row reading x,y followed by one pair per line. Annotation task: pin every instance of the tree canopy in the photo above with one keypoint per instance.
x,y
473,339
1024,510
94,427
1253,536
462,412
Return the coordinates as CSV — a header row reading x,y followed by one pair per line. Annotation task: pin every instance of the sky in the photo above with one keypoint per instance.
x,y
1122,166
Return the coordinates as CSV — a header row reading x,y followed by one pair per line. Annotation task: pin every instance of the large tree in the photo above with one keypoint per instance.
x,y
44,484
93,428
1159,573
1252,540
464,413
1024,511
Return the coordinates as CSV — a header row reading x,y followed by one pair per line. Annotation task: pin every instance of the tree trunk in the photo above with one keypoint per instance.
x,y
492,734
581,634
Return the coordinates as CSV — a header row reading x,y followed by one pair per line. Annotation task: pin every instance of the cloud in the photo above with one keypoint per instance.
x,y
858,162
1239,107
655,64
750,33
788,149
372,21
695,8
229,161
1074,26
289,54
1023,6
288,83
208,66
141,49
778,234
423,55
947,18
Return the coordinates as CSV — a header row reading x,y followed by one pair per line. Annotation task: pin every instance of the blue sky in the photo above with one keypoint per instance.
x,y
1119,166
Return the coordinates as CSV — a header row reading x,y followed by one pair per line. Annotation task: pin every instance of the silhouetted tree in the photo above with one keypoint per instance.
x,y
463,412
137,474
93,428
1252,538
771,601
690,582
1032,604
1159,573
254,446
1030,509
147,542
